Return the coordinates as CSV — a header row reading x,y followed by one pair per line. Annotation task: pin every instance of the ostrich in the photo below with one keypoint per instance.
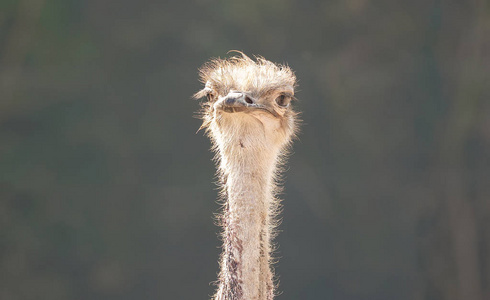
x,y
248,117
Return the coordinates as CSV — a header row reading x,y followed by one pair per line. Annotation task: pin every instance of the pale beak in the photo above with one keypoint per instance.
x,y
240,102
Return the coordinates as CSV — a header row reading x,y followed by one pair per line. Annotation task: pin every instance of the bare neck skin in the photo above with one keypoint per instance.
x,y
247,164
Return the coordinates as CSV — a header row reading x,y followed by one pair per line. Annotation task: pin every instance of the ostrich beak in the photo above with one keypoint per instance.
x,y
240,102
236,101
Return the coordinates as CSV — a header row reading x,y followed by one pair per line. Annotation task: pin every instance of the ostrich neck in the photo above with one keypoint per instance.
x,y
248,185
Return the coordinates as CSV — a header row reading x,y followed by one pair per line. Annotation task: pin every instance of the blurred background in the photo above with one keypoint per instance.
x,y
106,189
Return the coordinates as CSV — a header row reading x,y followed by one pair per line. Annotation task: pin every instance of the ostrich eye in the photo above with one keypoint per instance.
x,y
283,100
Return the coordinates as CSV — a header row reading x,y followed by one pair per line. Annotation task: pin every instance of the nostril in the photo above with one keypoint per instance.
x,y
248,100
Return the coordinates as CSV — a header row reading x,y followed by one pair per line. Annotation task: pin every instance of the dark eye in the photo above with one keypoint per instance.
x,y
283,100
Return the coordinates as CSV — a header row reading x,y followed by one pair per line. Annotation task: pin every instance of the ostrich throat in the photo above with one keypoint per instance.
x,y
247,171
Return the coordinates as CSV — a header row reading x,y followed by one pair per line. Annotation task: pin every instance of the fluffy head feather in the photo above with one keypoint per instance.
x,y
244,74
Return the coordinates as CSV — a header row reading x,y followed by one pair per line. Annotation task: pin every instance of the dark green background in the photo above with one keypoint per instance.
x,y
106,190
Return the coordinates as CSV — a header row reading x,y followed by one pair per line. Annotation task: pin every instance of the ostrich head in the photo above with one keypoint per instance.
x,y
248,102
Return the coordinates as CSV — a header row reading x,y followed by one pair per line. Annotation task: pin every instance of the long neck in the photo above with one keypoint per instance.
x,y
248,185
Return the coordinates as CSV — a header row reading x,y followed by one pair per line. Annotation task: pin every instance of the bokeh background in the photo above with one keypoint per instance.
x,y
106,189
